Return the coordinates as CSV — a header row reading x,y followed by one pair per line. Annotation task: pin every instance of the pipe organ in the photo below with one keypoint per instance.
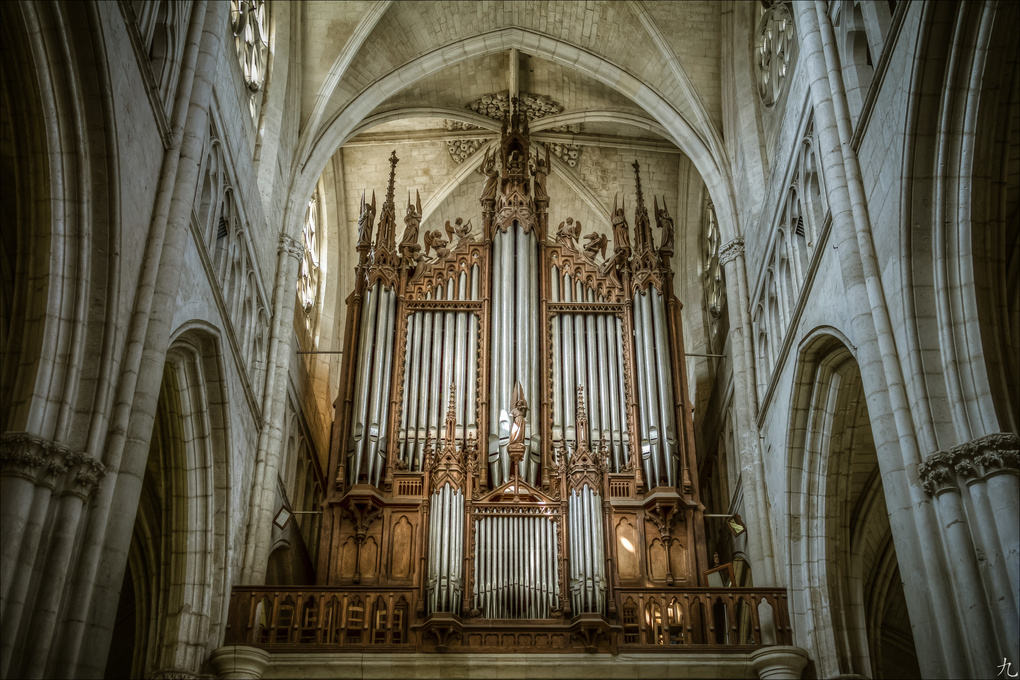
x,y
511,439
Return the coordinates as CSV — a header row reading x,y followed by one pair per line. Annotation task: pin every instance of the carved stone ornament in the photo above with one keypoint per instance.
x,y
773,54
731,250
38,460
974,459
495,105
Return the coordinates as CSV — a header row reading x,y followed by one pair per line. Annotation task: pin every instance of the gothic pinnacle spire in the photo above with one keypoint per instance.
x,y
637,182
451,416
393,176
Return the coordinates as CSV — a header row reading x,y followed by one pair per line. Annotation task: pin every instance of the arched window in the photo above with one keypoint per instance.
x,y
773,54
308,276
249,22
711,270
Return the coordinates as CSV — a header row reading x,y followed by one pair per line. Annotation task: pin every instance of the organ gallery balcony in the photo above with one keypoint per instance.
x,y
354,619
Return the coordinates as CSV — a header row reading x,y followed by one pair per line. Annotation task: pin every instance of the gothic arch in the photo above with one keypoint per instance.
x,y
960,211
59,273
173,603
839,534
58,320
325,140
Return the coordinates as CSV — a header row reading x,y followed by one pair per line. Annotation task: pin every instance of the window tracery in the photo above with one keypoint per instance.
x,y
774,46
711,270
250,26
309,274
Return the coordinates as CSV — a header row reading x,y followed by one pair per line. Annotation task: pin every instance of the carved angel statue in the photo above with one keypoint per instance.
x,y
459,228
366,219
409,243
568,232
488,169
595,243
621,232
664,222
541,172
519,412
434,239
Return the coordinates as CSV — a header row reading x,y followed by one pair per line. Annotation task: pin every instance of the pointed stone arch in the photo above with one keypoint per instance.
x,y
173,603
839,532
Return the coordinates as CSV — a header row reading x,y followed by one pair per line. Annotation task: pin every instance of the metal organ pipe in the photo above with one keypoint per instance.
x,y
615,391
534,450
654,426
384,391
624,428
472,361
435,391
667,432
424,354
506,343
602,367
410,402
569,381
495,361
648,427
362,389
459,367
557,361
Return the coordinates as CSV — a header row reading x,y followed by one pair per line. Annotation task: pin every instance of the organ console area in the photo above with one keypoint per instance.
x,y
512,462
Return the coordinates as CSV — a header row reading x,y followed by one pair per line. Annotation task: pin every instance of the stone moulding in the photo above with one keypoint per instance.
x,y
971,460
44,462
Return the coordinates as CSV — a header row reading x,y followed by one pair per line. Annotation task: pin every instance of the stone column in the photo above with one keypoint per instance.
x,y
938,634
267,463
759,534
976,487
239,662
779,663
88,626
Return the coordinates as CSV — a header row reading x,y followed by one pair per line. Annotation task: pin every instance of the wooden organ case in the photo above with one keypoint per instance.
x,y
512,454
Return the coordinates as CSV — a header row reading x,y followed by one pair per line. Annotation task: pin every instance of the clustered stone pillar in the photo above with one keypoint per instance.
x,y
270,443
759,535
38,478
976,488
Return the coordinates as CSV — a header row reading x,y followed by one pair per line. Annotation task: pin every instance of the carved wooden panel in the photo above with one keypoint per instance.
x,y
627,546
401,548
656,557
370,559
348,558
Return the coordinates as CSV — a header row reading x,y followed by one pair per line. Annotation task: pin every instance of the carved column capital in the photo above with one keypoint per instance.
x,y
31,457
291,246
86,472
970,460
731,250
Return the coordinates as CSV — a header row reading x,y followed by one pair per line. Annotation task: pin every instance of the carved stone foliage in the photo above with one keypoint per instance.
x,y
773,55
983,456
461,149
45,462
495,105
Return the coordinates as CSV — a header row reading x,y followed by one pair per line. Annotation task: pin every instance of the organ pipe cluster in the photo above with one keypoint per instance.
x,y
558,371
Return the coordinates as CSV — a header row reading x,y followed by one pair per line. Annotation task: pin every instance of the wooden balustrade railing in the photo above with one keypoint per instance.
x,y
320,619
716,617
326,618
